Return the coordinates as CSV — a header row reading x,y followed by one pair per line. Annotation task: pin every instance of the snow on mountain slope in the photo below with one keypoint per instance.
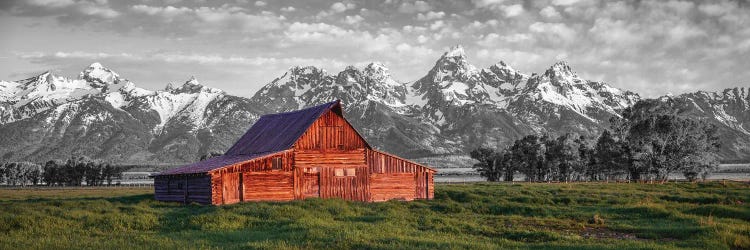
x,y
561,87
174,124
452,109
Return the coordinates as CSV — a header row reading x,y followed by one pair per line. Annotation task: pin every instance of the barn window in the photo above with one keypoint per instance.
x,y
276,163
341,138
341,172
350,171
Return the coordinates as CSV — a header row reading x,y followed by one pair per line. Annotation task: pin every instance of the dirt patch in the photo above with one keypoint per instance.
x,y
604,233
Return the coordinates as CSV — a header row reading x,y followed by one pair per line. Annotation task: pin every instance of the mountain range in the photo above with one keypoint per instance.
x,y
452,109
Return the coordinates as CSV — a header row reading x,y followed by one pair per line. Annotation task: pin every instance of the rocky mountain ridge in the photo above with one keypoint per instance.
x,y
454,108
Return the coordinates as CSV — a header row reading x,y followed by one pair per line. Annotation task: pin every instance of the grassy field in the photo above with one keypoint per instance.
x,y
479,216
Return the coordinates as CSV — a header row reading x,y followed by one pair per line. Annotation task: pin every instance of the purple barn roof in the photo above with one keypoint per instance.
x,y
270,134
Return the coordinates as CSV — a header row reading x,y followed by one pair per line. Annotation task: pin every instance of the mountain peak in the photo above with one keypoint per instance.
x,y
379,72
561,69
169,87
96,73
96,65
377,68
190,86
561,66
192,81
305,69
455,51
504,66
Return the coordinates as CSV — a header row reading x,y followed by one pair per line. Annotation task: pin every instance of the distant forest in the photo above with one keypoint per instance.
x,y
648,142
75,171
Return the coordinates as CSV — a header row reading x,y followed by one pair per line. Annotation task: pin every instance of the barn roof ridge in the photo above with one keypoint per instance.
x,y
308,109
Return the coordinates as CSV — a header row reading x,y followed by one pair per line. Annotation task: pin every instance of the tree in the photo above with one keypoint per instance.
x,y
585,152
528,155
659,141
51,173
565,155
489,163
610,157
3,177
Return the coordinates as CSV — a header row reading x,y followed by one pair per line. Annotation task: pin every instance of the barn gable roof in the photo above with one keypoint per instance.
x,y
272,133
276,132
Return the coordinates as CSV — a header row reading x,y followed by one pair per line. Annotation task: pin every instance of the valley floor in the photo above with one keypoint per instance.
x,y
714,215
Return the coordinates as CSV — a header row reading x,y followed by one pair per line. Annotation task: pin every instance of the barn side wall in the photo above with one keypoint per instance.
x,y
183,188
260,180
396,178
268,186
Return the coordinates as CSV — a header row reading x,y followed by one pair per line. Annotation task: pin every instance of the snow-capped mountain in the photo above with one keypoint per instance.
x,y
452,109
729,110
103,115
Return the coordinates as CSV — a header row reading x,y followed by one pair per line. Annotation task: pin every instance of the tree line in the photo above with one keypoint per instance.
x,y
649,141
72,172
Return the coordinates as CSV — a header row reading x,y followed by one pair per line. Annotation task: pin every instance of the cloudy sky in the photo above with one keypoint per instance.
x,y
652,47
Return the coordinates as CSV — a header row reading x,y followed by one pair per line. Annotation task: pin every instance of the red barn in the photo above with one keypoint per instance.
x,y
312,152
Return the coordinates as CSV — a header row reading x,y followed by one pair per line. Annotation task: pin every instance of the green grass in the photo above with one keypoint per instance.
x,y
478,216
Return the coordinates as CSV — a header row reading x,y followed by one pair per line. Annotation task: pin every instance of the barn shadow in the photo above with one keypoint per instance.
x,y
224,226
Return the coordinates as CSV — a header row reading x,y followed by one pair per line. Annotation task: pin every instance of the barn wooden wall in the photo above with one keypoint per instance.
x,y
389,186
183,188
397,178
260,181
269,186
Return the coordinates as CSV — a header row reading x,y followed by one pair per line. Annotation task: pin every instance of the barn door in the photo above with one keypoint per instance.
x,y
231,187
311,183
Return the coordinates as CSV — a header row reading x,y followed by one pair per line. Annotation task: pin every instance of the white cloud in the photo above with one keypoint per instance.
x,y
339,7
430,16
486,3
260,3
564,2
415,29
617,32
91,9
212,20
512,10
288,9
52,3
321,35
184,58
352,20
168,12
437,25
715,9
558,30
549,12
418,6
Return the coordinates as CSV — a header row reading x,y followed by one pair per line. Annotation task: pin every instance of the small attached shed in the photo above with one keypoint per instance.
x,y
312,152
